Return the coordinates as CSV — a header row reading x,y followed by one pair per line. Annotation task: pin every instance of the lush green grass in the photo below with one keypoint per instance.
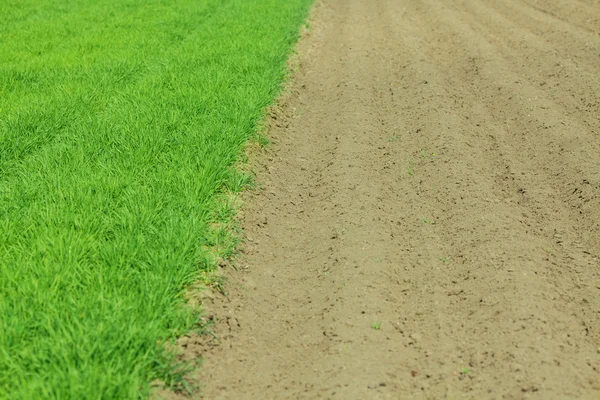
x,y
119,126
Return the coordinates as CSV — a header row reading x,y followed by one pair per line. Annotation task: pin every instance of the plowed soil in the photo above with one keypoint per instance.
x,y
428,223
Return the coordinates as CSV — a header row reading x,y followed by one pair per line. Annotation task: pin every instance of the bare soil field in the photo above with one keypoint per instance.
x,y
428,219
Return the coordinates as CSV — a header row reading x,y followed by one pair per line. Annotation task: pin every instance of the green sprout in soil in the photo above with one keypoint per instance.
x,y
411,171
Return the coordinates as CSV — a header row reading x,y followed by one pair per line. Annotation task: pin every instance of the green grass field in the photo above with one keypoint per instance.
x,y
120,124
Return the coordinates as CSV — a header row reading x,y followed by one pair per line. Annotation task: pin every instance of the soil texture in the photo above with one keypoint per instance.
x,y
428,219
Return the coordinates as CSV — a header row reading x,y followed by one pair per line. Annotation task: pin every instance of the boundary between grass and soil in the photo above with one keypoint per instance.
x,y
215,284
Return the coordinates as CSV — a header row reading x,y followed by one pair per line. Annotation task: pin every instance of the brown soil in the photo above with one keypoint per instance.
x,y
435,170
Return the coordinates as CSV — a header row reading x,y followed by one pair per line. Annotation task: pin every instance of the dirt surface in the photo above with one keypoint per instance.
x,y
428,224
